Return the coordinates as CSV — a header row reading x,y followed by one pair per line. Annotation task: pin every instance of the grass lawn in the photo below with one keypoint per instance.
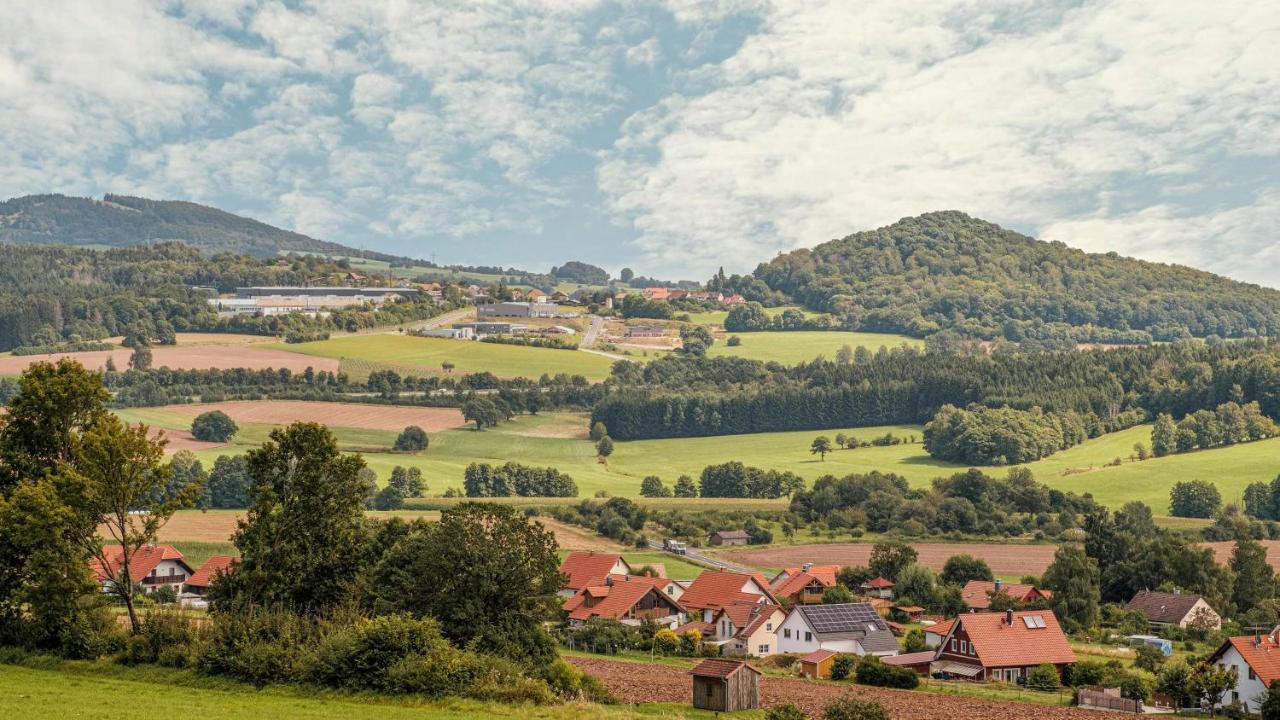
x,y
425,355
554,439
790,348
102,691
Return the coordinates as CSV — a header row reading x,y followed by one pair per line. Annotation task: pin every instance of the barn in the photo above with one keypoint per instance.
x,y
725,686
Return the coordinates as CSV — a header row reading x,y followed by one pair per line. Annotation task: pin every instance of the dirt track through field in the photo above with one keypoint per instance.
x,y
350,415
1006,560
195,357
644,683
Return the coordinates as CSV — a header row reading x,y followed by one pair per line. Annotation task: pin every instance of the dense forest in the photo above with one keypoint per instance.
x,y
683,397
948,271
50,294
120,220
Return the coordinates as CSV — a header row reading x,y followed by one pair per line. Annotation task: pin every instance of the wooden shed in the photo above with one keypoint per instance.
x,y
817,664
725,686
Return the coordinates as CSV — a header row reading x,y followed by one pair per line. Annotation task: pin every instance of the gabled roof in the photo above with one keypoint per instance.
x,y
588,568
826,573
848,621
915,658
1000,644
795,584
877,583
942,627
141,562
1163,607
218,564
730,534
1261,653
818,656
747,617
721,668
714,589
977,593
615,599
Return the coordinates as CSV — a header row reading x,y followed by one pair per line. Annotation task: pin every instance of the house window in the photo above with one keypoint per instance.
x,y
953,644
786,633
768,627
808,636
764,649
964,647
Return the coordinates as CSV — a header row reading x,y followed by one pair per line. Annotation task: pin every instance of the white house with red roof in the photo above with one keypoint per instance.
x,y
583,569
625,598
1256,660
151,566
197,586
717,589
1002,646
744,629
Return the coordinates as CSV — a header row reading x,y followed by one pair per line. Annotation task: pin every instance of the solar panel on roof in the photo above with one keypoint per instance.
x,y
1033,621
844,617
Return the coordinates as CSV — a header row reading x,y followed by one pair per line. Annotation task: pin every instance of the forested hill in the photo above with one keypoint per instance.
x,y
119,220
946,270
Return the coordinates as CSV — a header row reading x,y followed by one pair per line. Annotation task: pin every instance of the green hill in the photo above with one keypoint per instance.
x,y
119,220
946,270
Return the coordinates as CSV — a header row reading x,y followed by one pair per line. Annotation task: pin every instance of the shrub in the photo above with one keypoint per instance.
x,y
411,439
165,637
873,672
842,667
1043,677
848,708
213,426
666,642
785,712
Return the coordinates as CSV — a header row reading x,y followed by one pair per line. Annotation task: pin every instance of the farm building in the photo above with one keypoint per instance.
x,y
1163,609
729,537
516,309
458,333
725,686
817,664
977,593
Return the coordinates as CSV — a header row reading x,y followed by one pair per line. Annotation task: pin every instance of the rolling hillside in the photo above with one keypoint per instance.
x,y
946,270
119,220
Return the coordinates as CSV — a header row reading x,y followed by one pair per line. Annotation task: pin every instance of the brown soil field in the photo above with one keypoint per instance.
x,y
1009,560
181,440
351,415
191,357
636,682
217,526
1222,551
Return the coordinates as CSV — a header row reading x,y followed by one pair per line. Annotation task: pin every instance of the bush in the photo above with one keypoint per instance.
x,y
213,426
165,637
849,708
842,667
1043,677
411,439
785,712
666,642
873,672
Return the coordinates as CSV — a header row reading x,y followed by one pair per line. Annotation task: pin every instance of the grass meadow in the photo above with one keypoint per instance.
x,y
360,354
790,348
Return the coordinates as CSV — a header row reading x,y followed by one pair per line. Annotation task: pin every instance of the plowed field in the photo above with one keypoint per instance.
x,y
643,683
1006,560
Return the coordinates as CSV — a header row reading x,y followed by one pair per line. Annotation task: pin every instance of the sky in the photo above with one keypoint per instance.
x,y
672,137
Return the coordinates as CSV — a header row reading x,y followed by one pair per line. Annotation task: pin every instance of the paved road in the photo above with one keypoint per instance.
x,y
699,558
594,324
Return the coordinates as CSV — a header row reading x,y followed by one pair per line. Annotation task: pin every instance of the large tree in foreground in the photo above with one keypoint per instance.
x,y
302,541
486,572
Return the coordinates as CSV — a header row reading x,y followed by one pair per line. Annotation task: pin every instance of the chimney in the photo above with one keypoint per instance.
x,y
805,567
608,581
626,578
998,585
1008,618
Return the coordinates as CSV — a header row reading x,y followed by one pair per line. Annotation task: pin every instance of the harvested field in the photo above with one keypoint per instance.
x,y
182,440
178,357
349,415
1008,560
566,425
1222,551
645,683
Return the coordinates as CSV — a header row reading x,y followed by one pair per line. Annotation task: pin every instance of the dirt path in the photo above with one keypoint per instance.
x,y
644,683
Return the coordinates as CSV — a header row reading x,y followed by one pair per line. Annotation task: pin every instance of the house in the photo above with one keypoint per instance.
x,y
877,588
842,627
517,294
977,593
716,589
152,566
677,294
745,628
583,569
725,686
734,299
728,537
196,590
536,295
1256,659
1002,646
646,331
656,293
625,598
805,586
1163,609
817,664
559,297
934,634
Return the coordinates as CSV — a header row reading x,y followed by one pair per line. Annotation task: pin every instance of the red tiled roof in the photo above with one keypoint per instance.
x,y
141,563
747,617
618,598
942,627
1264,658
715,589
977,593
720,668
1001,645
587,568
795,584
697,626
825,573
210,569
818,656
878,583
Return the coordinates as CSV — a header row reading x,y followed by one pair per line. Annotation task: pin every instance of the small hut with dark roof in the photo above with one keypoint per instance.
x,y
725,686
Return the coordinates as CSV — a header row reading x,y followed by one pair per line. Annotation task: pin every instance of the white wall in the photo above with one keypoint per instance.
x,y
797,643
1250,691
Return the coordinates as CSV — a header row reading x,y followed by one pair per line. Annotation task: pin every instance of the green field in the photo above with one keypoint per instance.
x,y
426,355
716,317
790,348
102,691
